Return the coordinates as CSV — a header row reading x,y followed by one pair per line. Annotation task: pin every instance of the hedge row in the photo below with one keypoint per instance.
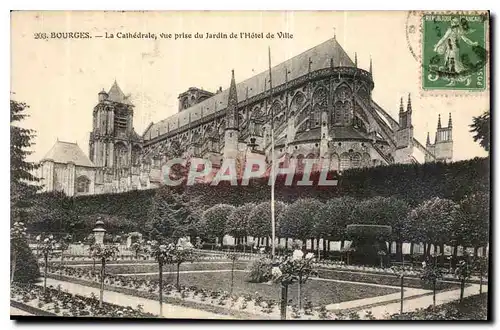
x,y
413,183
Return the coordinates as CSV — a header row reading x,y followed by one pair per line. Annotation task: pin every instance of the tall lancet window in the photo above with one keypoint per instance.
x,y
319,105
342,112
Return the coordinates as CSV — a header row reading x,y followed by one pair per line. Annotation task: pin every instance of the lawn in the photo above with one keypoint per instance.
x,y
153,268
318,291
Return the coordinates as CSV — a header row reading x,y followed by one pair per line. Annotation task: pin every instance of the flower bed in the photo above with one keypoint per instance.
x,y
471,308
409,270
247,306
150,267
383,279
55,302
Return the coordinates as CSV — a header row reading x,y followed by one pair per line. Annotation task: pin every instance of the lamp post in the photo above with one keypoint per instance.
x,y
99,232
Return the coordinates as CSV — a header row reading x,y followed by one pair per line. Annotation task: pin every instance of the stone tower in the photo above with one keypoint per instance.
x,y
404,134
443,145
231,134
110,143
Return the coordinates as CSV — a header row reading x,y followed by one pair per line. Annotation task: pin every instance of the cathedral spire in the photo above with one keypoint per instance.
x,y
428,142
401,107
439,121
232,105
408,106
450,124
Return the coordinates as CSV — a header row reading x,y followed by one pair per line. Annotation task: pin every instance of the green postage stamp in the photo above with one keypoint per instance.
x,y
454,51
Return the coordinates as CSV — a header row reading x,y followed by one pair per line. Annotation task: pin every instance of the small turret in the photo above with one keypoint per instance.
x,y
450,124
439,121
102,96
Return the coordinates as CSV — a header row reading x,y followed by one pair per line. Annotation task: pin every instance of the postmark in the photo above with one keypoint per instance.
x,y
454,51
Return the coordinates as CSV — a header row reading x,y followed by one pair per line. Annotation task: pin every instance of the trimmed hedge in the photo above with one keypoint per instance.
x,y
413,183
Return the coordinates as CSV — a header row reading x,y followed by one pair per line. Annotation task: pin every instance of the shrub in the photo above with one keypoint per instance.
x,y
27,270
260,270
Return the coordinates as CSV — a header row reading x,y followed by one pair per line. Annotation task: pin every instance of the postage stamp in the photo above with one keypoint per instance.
x,y
454,51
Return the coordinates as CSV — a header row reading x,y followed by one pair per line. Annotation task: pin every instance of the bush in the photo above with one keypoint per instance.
x,y
27,270
260,270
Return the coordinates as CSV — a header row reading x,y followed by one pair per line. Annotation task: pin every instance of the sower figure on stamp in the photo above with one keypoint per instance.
x,y
448,46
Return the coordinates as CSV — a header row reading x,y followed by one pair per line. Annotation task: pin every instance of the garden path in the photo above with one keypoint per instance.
x,y
409,292
17,311
150,306
423,302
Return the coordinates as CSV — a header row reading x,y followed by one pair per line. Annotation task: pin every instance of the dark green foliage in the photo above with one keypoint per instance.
x,y
260,218
21,171
412,183
368,231
336,215
400,186
433,221
474,229
368,242
27,270
481,129
215,220
299,218
171,215
238,224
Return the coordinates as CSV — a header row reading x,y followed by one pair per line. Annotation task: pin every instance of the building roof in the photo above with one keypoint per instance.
x,y
67,152
314,59
115,94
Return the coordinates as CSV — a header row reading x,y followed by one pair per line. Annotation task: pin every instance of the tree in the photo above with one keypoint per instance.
x,y
46,245
137,247
430,274
215,220
385,211
21,171
162,253
301,218
64,245
289,269
336,215
481,128
238,224
181,254
172,215
463,272
18,246
260,219
433,222
474,229
103,253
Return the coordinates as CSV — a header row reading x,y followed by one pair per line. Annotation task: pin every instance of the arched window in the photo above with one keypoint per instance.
x,y
334,162
344,161
342,113
82,184
319,105
355,160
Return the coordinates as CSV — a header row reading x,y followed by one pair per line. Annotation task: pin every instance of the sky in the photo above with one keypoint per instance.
x,y
60,78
